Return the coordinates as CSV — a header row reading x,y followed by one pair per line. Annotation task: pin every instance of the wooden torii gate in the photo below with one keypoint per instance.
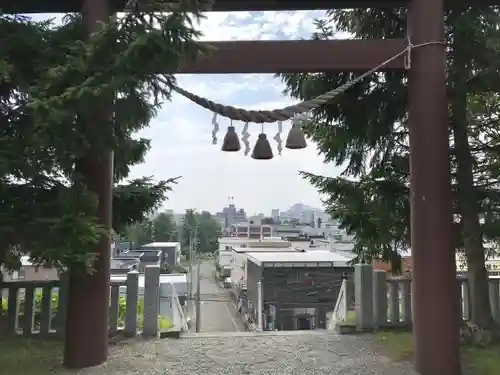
x,y
435,317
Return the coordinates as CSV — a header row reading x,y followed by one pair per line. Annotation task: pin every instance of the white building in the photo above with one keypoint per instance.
x,y
224,255
239,256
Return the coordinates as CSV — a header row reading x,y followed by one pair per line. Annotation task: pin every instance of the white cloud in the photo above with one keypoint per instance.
x,y
181,134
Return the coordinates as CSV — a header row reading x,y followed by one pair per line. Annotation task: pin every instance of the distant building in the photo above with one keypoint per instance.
x,y
30,272
231,215
221,220
275,214
250,230
225,255
239,256
171,251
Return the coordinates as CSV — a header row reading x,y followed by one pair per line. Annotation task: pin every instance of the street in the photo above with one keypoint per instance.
x,y
218,310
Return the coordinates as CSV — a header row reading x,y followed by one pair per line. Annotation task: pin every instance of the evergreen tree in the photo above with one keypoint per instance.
x,y
203,228
57,87
365,130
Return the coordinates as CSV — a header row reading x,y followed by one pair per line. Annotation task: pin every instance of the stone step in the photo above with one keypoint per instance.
x,y
190,335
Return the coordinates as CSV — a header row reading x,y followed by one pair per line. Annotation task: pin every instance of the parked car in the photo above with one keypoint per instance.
x,y
227,282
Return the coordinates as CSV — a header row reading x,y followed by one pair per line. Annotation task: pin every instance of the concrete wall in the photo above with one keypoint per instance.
x,y
31,273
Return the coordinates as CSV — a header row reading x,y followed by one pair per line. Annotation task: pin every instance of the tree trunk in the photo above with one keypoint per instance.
x,y
468,209
86,341
3,253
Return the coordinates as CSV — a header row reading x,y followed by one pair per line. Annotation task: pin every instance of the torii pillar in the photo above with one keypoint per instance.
x,y
435,293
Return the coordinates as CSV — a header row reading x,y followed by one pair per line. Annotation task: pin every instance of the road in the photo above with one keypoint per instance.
x,y
218,311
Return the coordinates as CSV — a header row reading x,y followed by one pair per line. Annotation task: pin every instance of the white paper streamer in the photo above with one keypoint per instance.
x,y
245,135
277,137
215,129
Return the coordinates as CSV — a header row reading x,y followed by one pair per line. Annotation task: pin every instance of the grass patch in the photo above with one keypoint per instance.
x,y
476,360
23,356
351,317
36,356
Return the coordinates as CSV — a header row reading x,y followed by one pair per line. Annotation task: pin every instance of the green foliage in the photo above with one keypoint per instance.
x,y
370,209
162,228
55,111
139,233
204,228
134,201
365,131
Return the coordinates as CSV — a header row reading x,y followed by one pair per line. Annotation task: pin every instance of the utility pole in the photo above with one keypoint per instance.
x,y
198,278
198,299
190,269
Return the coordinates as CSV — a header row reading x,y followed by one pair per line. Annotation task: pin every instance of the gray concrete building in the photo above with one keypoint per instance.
x,y
298,289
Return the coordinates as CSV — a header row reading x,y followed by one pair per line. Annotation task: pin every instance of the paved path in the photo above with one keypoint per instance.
x,y
218,311
263,353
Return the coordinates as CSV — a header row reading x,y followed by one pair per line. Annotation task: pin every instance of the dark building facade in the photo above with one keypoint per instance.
x,y
295,296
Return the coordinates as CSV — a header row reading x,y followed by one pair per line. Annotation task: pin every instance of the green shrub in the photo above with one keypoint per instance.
x,y
164,322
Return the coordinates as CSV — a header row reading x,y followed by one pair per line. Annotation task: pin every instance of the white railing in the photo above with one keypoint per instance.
x,y
179,308
341,309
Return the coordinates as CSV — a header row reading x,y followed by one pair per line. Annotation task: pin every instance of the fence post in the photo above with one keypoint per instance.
x,y
62,303
151,301
131,304
379,298
363,290
494,293
407,298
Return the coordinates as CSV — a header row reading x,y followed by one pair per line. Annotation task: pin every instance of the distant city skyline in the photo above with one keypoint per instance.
x,y
249,211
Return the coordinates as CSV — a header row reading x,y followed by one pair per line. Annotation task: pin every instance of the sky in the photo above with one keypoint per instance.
x,y
181,134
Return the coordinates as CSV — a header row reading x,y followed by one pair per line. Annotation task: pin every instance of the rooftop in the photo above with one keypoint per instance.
x,y
241,240
318,256
264,249
162,244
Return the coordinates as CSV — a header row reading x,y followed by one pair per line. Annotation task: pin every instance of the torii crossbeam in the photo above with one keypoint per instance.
x,y
435,294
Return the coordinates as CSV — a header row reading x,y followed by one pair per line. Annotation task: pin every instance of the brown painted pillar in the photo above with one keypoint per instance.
x,y
86,342
436,331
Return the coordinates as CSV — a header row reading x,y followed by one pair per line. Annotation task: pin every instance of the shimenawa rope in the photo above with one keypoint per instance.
x,y
269,116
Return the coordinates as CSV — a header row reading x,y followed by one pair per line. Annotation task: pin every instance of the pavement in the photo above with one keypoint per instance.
x,y
218,310
250,353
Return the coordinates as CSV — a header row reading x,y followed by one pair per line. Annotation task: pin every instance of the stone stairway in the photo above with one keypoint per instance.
x,y
192,335
251,353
